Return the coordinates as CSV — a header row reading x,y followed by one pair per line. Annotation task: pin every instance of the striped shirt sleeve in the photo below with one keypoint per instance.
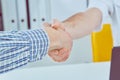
x,y
17,48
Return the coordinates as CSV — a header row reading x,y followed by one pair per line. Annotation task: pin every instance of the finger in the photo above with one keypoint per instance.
x,y
59,55
53,52
46,24
55,56
62,51
64,55
57,24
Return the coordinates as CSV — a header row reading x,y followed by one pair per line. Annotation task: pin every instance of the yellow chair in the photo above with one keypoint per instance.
x,y
102,44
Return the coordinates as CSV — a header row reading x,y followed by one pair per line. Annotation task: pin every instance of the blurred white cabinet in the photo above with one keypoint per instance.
x,y
9,11
22,15
14,14
33,9
63,9
39,12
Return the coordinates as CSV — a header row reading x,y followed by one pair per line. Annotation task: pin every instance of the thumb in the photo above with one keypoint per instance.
x,y
57,25
46,24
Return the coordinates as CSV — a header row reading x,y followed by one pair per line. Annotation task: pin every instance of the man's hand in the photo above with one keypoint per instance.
x,y
60,43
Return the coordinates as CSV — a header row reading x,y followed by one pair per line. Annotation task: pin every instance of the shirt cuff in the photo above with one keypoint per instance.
x,y
106,7
39,43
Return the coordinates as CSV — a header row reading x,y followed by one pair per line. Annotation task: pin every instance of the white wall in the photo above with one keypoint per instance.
x,y
82,51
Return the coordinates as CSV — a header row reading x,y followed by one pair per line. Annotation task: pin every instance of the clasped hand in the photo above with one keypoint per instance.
x,y
60,41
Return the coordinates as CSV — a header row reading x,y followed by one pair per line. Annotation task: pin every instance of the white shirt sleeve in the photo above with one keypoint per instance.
x,y
105,6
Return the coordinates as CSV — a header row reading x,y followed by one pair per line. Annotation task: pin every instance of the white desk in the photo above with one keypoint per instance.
x,y
89,71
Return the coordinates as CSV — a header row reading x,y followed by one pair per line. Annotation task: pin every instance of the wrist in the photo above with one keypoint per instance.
x,y
69,28
53,37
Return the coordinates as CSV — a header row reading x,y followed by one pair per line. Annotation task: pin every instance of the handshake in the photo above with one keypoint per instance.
x,y
60,41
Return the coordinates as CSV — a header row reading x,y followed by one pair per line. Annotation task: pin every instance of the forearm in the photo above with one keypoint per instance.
x,y
21,47
83,23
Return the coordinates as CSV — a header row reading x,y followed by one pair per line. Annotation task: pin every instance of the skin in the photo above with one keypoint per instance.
x,y
60,43
83,23
78,25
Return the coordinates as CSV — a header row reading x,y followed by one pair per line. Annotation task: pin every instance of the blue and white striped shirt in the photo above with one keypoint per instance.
x,y
17,48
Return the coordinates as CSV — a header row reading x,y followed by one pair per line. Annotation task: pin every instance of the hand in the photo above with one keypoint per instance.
x,y
66,27
62,52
